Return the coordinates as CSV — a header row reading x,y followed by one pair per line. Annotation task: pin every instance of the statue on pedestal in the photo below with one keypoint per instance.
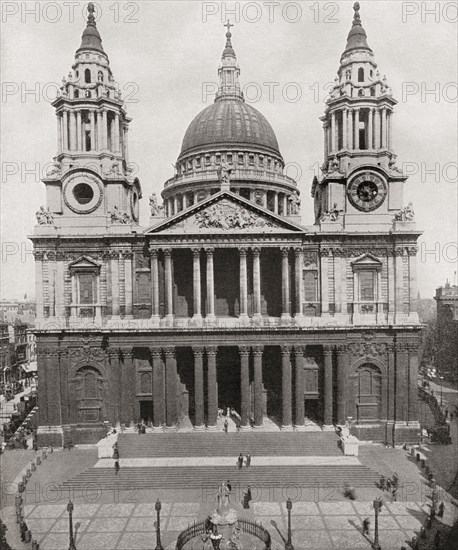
x,y
44,217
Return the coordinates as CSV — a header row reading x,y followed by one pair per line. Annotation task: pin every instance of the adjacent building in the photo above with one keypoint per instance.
x,y
225,298
447,332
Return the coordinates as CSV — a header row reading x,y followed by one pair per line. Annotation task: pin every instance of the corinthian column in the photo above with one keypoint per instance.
x,y
258,404
299,387
257,282
155,286
243,285
199,388
196,284
327,351
285,282
299,292
168,283
212,412
245,387
210,286
286,388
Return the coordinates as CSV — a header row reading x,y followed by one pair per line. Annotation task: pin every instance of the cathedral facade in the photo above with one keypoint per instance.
x,y
225,299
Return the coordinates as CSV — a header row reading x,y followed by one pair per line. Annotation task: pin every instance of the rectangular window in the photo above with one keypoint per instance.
x,y
367,286
86,282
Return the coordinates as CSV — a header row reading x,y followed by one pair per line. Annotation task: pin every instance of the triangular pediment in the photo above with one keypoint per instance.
x,y
366,261
224,212
84,262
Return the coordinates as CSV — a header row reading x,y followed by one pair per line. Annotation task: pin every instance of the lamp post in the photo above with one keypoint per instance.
x,y
70,525
377,507
158,506
289,506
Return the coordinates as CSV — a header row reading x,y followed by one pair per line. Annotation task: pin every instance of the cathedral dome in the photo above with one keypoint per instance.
x,y
228,123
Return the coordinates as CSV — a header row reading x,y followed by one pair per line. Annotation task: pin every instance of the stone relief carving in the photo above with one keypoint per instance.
x,y
331,215
295,204
367,349
55,170
156,210
226,215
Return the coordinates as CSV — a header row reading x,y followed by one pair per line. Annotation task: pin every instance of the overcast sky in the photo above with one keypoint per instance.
x,y
164,53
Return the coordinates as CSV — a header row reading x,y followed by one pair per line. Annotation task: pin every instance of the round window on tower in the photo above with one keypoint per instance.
x,y
83,193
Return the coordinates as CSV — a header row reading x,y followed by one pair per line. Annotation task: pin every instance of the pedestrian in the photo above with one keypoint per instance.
x,y
395,480
139,428
116,467
437,541
226,425
446,414
23,529
366,524
440,511
394,494
246,498
248,461
116,453
240,461
382,482
388,484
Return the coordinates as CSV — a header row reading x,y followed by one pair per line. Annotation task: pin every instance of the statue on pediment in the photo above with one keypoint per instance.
x,y
119,217
405,214
332,214
44,216
156,210
224,173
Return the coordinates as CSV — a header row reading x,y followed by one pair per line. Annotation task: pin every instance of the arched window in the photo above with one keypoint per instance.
x,y
361,93
100,76
368,392
372,92
87,76
360,74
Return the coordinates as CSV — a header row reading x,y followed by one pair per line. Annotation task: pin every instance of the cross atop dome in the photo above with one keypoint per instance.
x,y
229,71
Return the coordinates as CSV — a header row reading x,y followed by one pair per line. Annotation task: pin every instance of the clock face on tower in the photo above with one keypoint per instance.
x,y
367,192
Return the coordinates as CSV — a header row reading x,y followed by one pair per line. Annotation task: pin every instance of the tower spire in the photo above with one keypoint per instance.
x,y
357,38
229,72
90,39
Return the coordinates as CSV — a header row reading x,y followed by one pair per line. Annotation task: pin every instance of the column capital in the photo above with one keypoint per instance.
x,y
298,250
169,352
299,350
198,351
113,353
328,349
258,350
153,252
285,350
196,252
341,349
284,251
209,250
167,252
244,351
243,250
127,352
256,251
155,352
211,350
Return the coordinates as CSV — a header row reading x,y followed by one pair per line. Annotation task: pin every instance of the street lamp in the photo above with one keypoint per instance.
x,y
377,507
441,378
289,507
158,506
70,525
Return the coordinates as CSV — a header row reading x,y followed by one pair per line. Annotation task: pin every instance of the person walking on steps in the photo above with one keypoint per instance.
x,y
116,467
248,460
240,461
366,524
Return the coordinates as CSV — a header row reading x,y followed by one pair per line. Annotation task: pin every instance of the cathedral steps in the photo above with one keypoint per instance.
x,y
210,477
231,444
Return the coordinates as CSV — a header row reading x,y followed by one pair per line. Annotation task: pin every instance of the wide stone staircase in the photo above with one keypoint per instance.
x,y
187,472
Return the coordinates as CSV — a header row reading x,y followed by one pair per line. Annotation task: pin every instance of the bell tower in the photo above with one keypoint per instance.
x,y
361,187
90,182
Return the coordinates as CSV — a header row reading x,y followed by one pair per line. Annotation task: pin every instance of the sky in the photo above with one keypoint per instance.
x,y
165,56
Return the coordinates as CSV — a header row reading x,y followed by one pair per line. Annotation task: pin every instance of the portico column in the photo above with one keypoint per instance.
x,y
196,283
171,388
257,282
59,133
115,146
245,387
158,390
115,283
258,404
104,129
72,131
284,206
128,282
65,129
243,285
79,146
377,129
350,129
212,404
199,388
384,145
168,283
93,136
154,285
275,203
327,351
299,386
285,282
210,316
299,269
342,367
286,388
370,130
356,129
344,129
333,132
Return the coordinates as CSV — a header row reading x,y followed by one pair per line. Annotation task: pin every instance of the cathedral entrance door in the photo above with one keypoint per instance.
x,y
146,411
